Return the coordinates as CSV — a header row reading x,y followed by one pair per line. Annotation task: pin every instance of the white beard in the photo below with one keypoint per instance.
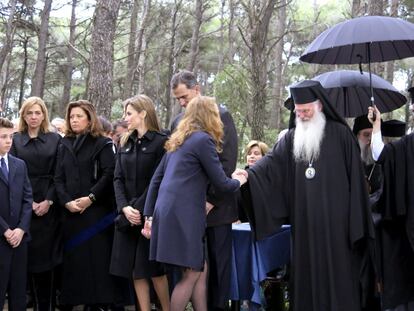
x,y
308,137
366,154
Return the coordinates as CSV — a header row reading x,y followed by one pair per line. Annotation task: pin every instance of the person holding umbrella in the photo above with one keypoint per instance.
x,y
396,206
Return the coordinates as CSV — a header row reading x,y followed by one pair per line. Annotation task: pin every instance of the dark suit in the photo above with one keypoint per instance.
x,y
220,218
15,212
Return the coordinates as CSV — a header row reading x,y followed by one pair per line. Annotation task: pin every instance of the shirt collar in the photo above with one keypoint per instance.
x,y
149,135
26,138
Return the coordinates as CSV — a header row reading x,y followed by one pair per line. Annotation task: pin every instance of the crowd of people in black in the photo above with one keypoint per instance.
x,y
91,212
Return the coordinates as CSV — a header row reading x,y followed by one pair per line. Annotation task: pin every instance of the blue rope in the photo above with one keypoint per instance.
x,y
88,233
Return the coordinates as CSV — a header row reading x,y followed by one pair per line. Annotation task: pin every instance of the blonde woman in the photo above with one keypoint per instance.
x,y
176,200
37,146
138,156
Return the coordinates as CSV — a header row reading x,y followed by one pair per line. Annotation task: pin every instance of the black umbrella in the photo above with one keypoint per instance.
x,y
350,93
363,40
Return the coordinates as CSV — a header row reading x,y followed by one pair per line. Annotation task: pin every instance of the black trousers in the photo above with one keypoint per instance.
x,y
13,278
219,247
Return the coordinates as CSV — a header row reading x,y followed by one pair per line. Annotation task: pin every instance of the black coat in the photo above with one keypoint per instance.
x,y
86,168
40,156
225,206
330,218
136,162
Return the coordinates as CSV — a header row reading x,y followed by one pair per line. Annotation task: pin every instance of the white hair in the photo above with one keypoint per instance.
x,y
308,136
366,153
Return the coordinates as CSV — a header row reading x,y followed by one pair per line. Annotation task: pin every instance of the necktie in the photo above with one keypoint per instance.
x,y
4,169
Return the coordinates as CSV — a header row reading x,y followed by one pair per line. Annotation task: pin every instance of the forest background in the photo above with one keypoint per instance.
x,y
244,52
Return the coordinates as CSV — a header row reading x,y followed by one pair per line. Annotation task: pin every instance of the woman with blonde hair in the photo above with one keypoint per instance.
x,y
37,146
140,151
176,202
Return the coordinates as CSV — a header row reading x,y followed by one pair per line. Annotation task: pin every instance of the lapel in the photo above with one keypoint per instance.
x,y
12,169
2,178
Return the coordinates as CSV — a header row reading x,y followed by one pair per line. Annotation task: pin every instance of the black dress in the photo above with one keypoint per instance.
x,y
39,153
85,165
135,164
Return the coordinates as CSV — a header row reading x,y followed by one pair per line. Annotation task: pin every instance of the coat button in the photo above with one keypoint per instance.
x,y
143,149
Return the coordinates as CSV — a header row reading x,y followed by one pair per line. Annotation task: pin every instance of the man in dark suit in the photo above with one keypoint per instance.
x,y
15,214
221,208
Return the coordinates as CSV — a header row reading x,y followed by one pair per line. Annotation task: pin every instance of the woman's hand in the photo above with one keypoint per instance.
x,y
41,208
146,231
73,207
83,203
240,175
133,215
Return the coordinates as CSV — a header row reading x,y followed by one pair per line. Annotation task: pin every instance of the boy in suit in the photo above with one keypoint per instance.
x,y
15,214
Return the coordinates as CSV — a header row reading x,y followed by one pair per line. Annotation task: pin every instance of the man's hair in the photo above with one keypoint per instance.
x,y
121,123
106,125
57,120
6,123
184,77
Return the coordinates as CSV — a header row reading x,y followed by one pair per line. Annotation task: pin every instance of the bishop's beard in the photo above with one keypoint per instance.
x,y
308,137
366,154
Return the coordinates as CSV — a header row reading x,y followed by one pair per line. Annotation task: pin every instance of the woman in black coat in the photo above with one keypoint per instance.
x,y
140,152
37,146
83,180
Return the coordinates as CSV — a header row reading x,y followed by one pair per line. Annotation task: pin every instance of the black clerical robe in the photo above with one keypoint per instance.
x,y
396,206
329,214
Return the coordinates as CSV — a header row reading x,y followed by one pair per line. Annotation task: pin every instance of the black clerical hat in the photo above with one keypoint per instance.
x,y
393,128
304,92
308,91
361,123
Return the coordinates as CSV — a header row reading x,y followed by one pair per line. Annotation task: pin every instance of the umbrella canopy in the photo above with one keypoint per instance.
x,y
362,40
350,92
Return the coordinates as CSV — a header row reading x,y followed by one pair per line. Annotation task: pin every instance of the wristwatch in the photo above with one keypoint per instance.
x,y
92,197
50,202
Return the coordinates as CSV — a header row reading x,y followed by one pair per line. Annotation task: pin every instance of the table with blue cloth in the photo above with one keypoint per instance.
x,y
252,260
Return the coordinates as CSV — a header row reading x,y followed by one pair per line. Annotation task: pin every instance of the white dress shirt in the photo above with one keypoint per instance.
x,y
376,145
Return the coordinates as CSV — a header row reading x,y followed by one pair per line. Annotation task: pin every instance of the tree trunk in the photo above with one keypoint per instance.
x,y
102,56
69,62
356,8
376,7
171,65
389,67
141,46
278,60
260,13
231,49
195,38
221,53
24,69
136,47
10,29
38,81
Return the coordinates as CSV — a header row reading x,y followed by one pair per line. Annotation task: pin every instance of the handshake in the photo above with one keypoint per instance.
x,y
240,175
